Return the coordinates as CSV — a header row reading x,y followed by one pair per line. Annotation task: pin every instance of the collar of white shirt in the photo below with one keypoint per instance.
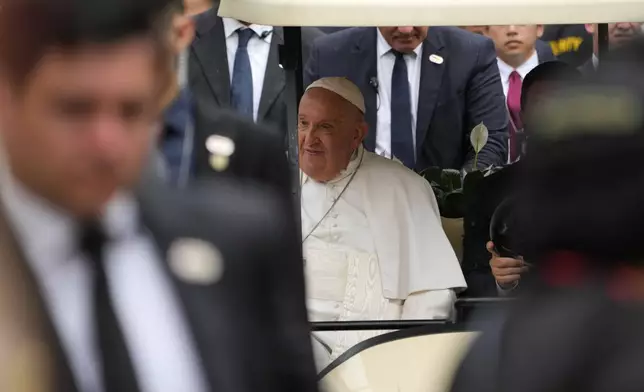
x,y
42,228
232,25
383,48
595,61
505,69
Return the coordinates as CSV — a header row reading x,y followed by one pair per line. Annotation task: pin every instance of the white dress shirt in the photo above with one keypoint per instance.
x,y
386,61
258,50
505,70
158,338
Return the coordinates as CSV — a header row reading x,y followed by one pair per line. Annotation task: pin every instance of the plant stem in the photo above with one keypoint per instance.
x,y
476,158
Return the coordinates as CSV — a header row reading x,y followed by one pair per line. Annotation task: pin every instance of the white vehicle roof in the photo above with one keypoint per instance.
x,y
430,12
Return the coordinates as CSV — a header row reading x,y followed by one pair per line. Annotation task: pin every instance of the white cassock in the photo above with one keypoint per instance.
x,y
379,254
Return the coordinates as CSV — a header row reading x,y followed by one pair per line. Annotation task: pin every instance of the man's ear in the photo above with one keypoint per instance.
x,y
590,28
540,30
184,27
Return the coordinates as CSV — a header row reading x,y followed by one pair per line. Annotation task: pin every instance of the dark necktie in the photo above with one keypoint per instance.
x,y
241,89
402,137
118,372
514,107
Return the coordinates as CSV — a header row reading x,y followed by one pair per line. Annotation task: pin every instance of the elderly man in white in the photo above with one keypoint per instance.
x,y
373,242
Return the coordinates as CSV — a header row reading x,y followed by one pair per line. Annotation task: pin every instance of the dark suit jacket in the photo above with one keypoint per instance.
x,y
454,96
209,73
259,156
250,327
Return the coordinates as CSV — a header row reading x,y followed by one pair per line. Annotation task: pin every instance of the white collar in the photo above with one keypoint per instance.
x,y
353,165
595,61
505,69
232,25
383,48
44,229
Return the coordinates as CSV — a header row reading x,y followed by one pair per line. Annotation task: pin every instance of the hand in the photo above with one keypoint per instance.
x,y
506,271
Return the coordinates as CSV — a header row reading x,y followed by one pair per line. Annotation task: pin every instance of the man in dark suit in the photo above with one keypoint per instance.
x,y
244,77
257,152
518,51
424,91
137,287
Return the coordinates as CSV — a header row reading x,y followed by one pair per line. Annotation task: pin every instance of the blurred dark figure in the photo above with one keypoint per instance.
x,y
232,146
578,326
131,286
481,271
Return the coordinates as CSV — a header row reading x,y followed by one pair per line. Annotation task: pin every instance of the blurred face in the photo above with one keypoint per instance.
x,y
330,129
515,43
80,127
618,33
404,39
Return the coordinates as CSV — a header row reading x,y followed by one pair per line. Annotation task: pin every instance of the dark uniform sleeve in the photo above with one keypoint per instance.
x,y
486,104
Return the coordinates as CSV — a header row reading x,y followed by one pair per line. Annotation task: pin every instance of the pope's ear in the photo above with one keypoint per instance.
x,y
363,129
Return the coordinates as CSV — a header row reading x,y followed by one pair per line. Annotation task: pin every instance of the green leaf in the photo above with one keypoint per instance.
x,y
479,137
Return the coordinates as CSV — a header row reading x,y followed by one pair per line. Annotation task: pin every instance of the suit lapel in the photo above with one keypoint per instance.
x,y
208,324
29,324
431,78
365,62
274,79
210,50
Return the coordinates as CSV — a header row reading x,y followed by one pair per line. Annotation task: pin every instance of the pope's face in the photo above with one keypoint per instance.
x,y
330,129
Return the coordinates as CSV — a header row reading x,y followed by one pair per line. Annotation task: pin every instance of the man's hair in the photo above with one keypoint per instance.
x,y
549,71
31,28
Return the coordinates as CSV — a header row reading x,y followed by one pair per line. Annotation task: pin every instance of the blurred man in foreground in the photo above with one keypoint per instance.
x,y
136,287
538,85
517,54
579,326
373,241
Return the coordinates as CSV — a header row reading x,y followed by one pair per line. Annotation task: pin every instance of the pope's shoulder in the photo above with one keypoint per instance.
x,y
393,170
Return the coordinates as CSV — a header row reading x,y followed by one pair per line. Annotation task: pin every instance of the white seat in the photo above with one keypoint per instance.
x,y
424,363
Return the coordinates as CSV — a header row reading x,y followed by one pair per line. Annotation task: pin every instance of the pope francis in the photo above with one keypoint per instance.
x,y
373,242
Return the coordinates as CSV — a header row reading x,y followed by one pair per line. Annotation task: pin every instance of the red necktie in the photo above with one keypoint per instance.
x,y
514,107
